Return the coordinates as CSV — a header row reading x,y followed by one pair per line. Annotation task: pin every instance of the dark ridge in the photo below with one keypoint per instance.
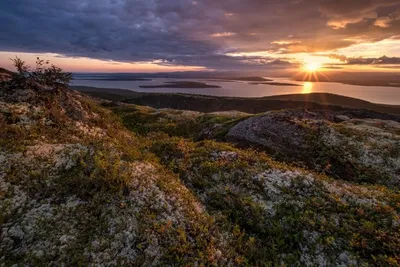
x,y
338,100
250,105
258,105
116,95
3,70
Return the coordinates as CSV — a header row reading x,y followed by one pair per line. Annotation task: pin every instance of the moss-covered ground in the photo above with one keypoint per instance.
x,y
88,183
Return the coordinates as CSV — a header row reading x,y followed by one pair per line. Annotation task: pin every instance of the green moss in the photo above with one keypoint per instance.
x,y
174,123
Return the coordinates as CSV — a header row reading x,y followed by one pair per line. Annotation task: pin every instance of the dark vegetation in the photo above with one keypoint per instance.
x,y
42,75
108,94
314,101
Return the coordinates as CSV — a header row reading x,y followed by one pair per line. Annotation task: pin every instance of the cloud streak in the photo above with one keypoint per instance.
x,y
384,60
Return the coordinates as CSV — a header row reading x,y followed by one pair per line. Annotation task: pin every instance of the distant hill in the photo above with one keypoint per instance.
x,y
338,100
3,70
250,105
5,74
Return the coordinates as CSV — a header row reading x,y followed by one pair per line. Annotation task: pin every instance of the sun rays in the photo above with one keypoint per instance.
x,y
312,66
312,71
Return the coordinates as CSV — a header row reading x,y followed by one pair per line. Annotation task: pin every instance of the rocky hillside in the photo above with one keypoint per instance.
x,y
91,182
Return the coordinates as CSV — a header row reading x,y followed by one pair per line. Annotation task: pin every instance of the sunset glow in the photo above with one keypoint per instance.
x,y
312,66
326,36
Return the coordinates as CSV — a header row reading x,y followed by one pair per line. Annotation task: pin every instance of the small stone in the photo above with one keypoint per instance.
x,y
344,257
38,253
95,244
49,123
341,118
218,254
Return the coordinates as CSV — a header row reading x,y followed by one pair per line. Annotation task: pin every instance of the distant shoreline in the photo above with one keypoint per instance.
x,y
252,80
365,82
208,103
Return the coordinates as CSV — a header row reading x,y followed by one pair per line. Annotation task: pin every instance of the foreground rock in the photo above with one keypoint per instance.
x,y
78,188
75,190
362,150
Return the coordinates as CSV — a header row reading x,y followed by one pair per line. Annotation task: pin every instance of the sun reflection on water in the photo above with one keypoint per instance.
x,y
307,87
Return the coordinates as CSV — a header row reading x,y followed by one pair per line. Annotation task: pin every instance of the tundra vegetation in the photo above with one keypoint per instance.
x,y
85,181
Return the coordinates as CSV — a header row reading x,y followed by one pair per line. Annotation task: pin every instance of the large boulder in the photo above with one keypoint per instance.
x,y
279,132
362,150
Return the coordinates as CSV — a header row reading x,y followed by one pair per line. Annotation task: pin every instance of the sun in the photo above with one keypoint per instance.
x,y
312,66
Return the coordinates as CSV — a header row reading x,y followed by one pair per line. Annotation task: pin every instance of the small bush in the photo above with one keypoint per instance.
x,y
42,74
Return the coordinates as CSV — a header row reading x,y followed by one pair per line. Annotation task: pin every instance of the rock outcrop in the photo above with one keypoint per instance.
x,y
75,190
102,184
363,150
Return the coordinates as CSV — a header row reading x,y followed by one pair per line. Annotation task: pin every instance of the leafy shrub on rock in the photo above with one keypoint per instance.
x,y
48,77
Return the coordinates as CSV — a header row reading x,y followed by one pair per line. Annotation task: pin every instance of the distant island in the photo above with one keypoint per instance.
x,y
248,79
114,79
277,83
182,84
220,80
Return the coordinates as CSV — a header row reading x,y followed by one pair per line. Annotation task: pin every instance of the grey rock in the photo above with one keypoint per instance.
x,y
276,131
341,118
344,257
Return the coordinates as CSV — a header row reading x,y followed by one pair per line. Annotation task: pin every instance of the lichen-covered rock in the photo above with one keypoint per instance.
x,y
279,132
73,191
287,215
78,188
366,150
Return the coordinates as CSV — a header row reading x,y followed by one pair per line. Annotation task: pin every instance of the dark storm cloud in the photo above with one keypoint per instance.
x,y
193,32
100,29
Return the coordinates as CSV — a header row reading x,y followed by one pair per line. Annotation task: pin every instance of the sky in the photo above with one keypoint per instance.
x,y
203,35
